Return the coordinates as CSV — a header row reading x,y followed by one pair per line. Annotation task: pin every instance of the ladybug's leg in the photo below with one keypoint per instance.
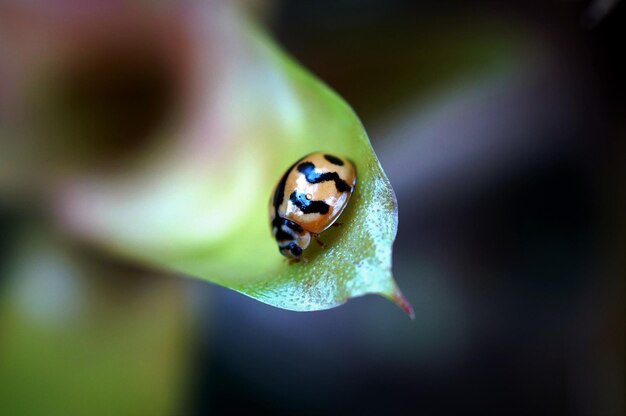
x,y
318,241
338,224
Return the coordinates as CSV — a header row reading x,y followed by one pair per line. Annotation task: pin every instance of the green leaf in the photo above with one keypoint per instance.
x,y
198,203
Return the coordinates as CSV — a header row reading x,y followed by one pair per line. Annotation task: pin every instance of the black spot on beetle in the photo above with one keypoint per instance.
x,y
293,225
308,170
280,223
334,160
280,189
295,249
281,235
279,194
308,207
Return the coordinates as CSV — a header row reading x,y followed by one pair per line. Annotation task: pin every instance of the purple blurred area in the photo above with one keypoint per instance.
x,y
501,128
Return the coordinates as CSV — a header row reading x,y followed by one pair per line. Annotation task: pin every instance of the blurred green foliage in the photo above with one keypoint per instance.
x,y
78,342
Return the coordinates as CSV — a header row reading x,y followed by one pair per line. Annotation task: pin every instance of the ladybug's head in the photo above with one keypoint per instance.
x,y
291,238
291,250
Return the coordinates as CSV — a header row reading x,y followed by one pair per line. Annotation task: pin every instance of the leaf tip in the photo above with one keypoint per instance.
x,y
399,299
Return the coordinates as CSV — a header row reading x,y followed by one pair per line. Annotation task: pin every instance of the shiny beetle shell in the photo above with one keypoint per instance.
x,y
308,199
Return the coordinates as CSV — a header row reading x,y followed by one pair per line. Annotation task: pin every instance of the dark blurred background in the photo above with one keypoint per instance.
x,y
500,126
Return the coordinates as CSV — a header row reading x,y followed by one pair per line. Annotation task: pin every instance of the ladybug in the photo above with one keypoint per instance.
x,y
308,199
